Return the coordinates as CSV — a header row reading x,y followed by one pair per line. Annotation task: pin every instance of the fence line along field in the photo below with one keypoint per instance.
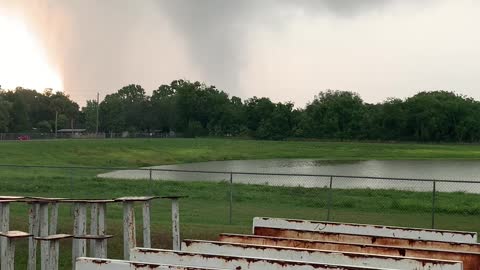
x,y
206,212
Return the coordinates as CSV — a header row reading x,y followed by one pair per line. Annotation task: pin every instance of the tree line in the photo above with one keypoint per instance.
x,y
195,109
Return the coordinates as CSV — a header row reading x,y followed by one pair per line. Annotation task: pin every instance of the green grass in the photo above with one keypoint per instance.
x,y
206,212
146,152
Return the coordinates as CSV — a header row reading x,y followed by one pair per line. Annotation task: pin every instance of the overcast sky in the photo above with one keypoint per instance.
x,y
288,50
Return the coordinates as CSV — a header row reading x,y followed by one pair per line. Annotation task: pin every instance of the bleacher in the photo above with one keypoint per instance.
x,y
275,243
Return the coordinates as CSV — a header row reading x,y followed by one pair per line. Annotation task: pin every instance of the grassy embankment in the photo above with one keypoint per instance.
x,y
144,152
205,212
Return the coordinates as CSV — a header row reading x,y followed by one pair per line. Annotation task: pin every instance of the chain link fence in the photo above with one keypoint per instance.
x,y
82,134
227,201
233,198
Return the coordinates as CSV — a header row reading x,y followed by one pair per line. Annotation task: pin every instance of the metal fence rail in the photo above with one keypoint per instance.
x,y
241,173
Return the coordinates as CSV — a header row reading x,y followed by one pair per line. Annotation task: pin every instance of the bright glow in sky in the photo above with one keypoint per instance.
x,y
23,61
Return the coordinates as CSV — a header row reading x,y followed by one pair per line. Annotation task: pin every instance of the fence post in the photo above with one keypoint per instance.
x,y
230,214
71,183
72,207
151,183
433,203
329,206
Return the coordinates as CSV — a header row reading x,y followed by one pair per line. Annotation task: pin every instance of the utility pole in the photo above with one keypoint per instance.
x,y
98,107
56,121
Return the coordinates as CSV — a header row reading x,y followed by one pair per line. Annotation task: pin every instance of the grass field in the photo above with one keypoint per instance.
x,y
150,152
206,212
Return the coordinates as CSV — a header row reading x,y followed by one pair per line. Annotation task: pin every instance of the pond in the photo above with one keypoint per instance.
x,y
422,169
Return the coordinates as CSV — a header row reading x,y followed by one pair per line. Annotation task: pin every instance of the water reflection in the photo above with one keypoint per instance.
x,y
423,169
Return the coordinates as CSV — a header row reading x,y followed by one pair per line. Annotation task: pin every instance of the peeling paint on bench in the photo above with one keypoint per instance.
x,y
106,264
471,260
231,262
323,256
368,239
365,229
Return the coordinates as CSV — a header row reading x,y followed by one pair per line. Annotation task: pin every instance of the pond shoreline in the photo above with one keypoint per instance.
x,y
314,173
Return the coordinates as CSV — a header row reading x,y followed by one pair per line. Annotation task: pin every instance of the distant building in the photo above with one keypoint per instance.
x,y
74,131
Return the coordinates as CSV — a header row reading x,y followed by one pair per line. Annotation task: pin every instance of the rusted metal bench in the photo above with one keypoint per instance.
x,y
471,260
319,256
365,229
106,264
368,239
231,262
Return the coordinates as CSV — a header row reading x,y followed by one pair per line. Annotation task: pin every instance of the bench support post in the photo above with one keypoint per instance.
x,y
176,224
146,225
8,254
129,236
79,228
33,229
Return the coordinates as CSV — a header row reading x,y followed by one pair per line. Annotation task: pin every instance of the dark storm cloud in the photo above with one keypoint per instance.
x,y
215,30
339,7
101,45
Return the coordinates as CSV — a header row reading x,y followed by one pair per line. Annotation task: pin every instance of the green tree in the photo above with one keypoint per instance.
x,y
125,110
196,103
163,109
335,115
67,110
230,119
44,126
5,107
384,121
279,125
435,116
112,117
197,109
258,110
35,105
134,103
90,115
20,120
